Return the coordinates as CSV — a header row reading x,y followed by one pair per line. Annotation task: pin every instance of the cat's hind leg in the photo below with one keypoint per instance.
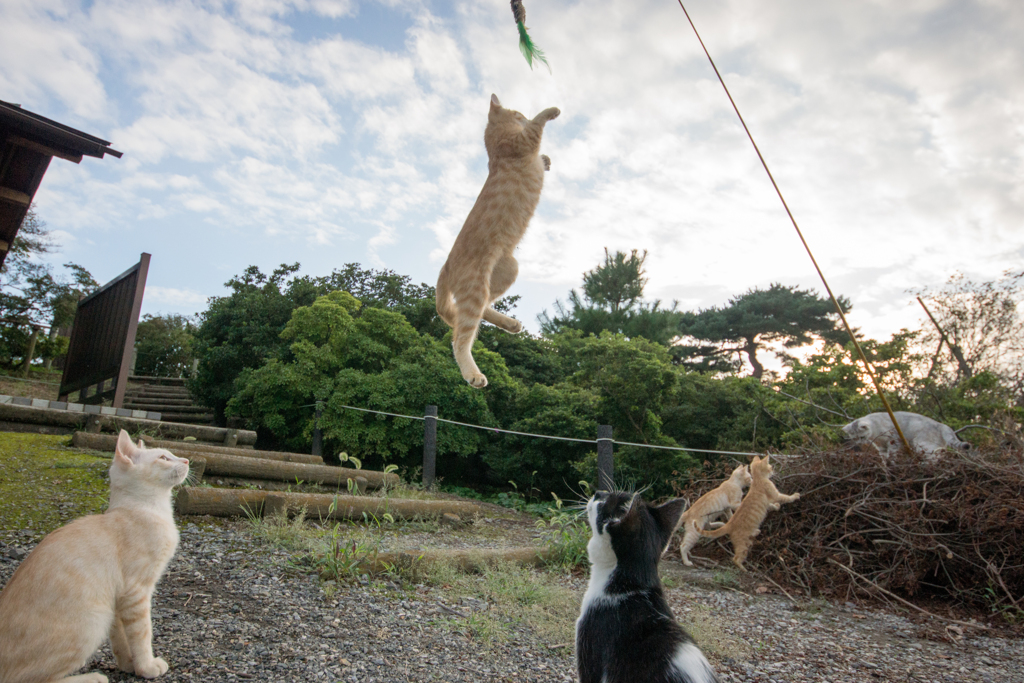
x,y
469,312
690,538
503,276
122,650
93,677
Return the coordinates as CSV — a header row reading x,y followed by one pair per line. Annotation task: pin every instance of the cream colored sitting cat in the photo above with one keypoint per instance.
x,y
746,521
718,501
93,579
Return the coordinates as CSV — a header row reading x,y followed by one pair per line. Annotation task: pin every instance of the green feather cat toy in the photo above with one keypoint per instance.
x,y
526,46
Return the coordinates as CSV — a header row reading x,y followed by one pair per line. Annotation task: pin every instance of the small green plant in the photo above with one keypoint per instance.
x,y
344,457
566,534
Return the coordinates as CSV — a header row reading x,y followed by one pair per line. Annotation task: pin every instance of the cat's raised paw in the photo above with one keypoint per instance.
x,y
550,113
157,667
477,381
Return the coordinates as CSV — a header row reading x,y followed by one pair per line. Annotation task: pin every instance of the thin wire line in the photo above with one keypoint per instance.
x,y
543,436
509,431
683,448
800,234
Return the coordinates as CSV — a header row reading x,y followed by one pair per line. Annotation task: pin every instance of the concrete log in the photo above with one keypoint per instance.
x,y
196,468
325,475
71,420
105,442
231,502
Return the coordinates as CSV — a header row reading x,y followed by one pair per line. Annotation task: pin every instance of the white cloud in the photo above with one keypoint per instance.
x,y
895,130
174,297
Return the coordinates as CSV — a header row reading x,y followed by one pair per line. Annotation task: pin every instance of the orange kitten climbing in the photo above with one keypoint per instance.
x,y
93,579
480,266
719,501
745,523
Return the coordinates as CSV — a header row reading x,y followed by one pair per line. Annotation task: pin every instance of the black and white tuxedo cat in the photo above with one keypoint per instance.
x,y
626,632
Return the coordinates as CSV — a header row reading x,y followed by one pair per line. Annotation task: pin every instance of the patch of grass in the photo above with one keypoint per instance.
x,y
44,483
725,577
503,598
710,635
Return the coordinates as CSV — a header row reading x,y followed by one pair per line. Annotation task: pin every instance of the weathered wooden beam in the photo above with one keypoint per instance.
x,y
45,149
106,442
232,502
110,423
258,468
15,196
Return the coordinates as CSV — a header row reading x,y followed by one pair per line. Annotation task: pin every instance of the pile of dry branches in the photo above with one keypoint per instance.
x,y
953,529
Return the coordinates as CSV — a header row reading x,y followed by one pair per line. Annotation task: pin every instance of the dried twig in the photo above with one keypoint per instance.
x,y
905,602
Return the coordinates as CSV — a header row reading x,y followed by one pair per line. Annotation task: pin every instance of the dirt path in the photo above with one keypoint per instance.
x,y
234,608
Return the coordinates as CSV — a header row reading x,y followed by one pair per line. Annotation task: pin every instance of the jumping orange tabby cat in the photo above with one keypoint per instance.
x,y
746,521
480,266
718,501
93,579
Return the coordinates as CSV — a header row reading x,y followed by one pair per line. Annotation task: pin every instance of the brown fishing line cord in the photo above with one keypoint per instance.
x,y
835,302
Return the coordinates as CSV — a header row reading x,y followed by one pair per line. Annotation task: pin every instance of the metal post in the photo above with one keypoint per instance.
x,y
429,446
605,461
318,437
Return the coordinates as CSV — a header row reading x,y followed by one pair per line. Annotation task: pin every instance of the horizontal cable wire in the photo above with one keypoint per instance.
x,y
543,436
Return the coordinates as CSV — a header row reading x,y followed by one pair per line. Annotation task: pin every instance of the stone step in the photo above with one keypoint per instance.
x,y
166,409
158,399
150,391
160,381
188,419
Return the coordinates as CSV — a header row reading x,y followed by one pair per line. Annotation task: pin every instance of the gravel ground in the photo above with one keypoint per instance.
x,y
231,608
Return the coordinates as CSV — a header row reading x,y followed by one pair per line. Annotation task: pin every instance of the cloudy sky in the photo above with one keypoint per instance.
x,y
330,131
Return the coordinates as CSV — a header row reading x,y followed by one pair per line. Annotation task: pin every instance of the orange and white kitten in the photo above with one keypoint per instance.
x,y
745,523
93,579
718,501
480,266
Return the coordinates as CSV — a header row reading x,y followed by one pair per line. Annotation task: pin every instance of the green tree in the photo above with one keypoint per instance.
x,y
31,295
243,330
759,317
612,300
163,346
345,355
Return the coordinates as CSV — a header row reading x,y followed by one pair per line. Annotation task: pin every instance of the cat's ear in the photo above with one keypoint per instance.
x,y
628,513
495,104
125,452
666,516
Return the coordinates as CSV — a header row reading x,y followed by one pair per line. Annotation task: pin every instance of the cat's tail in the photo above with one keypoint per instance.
x,y
445,302
719,532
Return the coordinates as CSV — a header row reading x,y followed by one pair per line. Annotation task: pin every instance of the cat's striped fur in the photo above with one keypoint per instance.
x,y
481,267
